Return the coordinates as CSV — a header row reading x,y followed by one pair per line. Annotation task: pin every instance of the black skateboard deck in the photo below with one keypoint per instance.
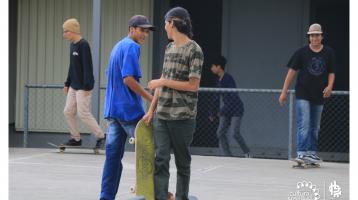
x,y
62,148
303,165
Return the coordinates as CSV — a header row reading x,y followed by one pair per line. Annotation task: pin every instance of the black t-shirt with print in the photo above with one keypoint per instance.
x,y
80,73
313,72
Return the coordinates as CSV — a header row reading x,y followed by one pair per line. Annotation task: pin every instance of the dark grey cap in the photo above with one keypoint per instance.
x,y
177,12
140,21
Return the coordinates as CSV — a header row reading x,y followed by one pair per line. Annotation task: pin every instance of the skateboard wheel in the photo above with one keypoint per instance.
x,y
62,149
132,189
131,140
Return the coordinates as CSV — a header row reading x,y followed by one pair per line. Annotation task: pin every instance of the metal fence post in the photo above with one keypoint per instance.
x,y
96,37
26,116
290,124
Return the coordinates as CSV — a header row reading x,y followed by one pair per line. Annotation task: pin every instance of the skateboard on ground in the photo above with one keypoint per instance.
x,y
144,159
304,165
62,147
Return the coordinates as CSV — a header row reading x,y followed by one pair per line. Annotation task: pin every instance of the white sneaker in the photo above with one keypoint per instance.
x,y
300,159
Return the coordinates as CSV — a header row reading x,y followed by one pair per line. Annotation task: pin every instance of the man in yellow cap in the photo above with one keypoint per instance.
x,y
79,84
315,64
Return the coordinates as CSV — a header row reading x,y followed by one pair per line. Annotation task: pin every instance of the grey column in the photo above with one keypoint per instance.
x,y
96,50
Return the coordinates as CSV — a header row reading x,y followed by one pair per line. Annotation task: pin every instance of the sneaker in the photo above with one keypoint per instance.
x,y
312,159
319,160
300,159
100,142
73,142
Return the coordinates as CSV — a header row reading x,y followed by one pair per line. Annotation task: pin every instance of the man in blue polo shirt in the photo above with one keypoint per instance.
x,y
123,102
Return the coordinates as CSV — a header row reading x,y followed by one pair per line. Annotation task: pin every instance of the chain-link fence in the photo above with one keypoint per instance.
x,y
43,115
229,121
264,128
334,133
255,115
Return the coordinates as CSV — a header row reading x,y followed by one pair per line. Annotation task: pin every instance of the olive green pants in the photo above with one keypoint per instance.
x,y
175,135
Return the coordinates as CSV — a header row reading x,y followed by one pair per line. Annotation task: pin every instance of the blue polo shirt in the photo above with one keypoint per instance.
x,y
120,101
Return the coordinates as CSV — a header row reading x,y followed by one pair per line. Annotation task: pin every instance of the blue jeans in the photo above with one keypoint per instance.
x,y
117,132
308,118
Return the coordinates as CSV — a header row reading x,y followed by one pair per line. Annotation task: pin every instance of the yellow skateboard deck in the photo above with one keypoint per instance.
x,y
144,153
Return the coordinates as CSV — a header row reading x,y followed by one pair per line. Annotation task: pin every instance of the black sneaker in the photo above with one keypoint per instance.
x,y
73,142
313,158
317,158
100,142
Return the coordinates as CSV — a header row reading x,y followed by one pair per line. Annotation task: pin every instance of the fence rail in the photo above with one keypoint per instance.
x,y
267,128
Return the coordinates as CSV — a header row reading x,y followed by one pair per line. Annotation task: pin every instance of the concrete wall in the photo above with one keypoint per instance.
x,y
259,36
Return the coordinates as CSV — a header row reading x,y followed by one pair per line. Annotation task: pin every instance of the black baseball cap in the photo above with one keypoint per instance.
x,y
140,21
177,12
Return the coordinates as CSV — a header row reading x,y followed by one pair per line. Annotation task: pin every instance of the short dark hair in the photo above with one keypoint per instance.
x,y
219,60
184,26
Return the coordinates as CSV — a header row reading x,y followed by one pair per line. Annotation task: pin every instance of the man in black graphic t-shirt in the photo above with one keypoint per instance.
x,y
79,84
315,65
